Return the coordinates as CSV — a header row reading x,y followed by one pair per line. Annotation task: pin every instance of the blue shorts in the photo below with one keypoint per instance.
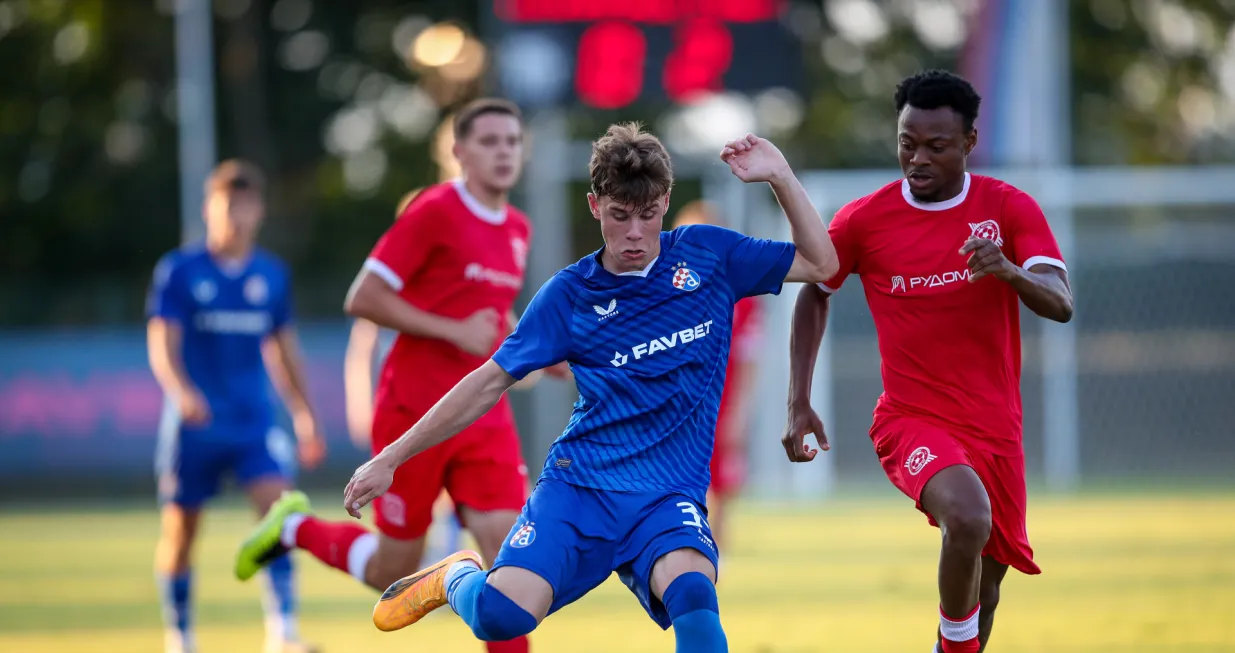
x,y
575,537
191,462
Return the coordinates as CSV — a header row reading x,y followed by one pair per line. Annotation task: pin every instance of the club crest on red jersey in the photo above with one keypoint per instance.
x,y
988,230
519,247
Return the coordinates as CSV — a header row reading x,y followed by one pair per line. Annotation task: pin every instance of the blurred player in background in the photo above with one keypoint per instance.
x,y
445,277
733,421
220,316
944,256
645,324
367,348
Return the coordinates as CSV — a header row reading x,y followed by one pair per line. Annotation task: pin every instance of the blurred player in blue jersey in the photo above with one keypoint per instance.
x,y
217,313
645,325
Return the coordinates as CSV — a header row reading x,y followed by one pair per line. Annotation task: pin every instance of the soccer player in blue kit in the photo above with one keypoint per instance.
x,y
645,326
217,311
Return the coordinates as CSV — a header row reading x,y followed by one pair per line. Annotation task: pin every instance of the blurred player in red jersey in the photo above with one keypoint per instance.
x,y
945,258
445,277
733,421
368,345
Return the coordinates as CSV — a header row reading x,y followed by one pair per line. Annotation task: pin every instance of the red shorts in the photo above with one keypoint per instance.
x,y
482,468
912,451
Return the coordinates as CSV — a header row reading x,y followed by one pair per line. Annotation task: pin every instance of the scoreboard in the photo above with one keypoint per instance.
x,y
609,54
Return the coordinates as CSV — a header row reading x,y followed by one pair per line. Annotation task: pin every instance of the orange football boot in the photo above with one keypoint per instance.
x,y
409,599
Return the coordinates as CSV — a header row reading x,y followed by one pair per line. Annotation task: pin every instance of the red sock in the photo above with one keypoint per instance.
x,y
331,542
516,645
959,635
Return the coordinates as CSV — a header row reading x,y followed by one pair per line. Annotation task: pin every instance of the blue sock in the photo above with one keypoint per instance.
x,y
490,614
691,602
280,600
175,594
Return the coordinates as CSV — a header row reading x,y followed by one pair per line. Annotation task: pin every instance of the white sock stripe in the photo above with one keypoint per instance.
x,y
359,553
290,526
960,631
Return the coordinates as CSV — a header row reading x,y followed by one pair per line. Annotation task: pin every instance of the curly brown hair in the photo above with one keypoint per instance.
x,y
630,166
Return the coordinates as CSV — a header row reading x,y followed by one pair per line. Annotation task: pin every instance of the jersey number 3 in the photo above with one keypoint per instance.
x,y
696,519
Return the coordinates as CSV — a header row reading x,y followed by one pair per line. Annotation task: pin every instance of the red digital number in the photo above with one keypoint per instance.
x,y
700,58
609,66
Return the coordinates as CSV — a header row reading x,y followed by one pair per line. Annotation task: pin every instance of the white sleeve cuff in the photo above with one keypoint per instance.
x,y
384,272
1046,260
825,288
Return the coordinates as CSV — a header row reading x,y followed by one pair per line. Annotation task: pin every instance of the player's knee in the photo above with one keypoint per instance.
x,y
971,526
498,618
688,593
967,522
691,602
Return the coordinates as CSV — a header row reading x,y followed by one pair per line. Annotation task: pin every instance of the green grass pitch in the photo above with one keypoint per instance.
x,y
1136,573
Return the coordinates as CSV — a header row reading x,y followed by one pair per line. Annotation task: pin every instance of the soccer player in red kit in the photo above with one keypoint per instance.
x,y
733,421
445,277
944,258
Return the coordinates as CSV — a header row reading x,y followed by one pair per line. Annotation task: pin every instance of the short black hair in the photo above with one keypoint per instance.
x,y
932,89
477,108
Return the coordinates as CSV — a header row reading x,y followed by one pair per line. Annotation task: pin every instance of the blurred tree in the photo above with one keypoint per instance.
x,y
328,97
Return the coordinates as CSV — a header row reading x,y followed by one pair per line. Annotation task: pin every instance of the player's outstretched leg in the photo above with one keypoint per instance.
x,y
491,609
289,524
957,500
409,599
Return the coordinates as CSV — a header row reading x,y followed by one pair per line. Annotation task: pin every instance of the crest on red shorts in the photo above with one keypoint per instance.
x,y
393,510
988,230
918,460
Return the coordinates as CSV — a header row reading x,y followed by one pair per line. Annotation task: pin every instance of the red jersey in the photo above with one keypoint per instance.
x,y
744,347
449,255
951,349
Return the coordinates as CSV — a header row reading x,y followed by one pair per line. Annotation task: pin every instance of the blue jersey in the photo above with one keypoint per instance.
x,y
225,315
649,352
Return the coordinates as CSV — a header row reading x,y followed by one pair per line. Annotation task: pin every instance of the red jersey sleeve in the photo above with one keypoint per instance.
x,y
844,238
404,249
1030,239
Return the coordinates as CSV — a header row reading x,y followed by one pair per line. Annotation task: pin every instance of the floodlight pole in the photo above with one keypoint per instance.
x,y
194,109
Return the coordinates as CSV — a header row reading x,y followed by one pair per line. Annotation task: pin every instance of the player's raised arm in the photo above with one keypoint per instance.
x,y
810,318
755,159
